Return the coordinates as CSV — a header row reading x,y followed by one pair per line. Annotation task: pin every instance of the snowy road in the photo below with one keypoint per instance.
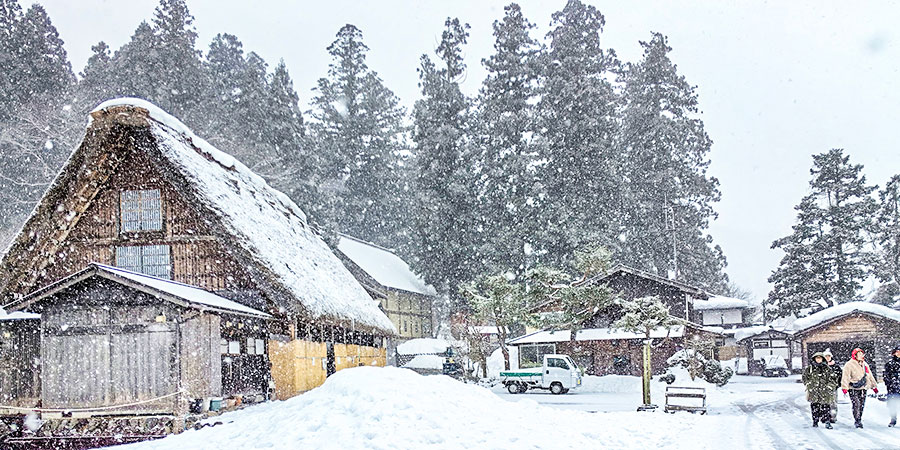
x,y
748,413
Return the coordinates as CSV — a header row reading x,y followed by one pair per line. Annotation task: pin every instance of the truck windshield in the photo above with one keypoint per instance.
x,y
572,362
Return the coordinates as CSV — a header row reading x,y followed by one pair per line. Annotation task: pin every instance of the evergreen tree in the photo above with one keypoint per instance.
x,y
495,300
826,257
507,190
443,246
667,195
888,237
175,60
578,122
35,65
357,123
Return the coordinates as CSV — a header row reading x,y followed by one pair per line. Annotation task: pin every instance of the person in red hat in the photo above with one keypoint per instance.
x,y
856,377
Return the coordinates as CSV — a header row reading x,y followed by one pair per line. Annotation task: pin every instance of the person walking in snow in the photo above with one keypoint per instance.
x,y
892,383
821,382
836,368
856,378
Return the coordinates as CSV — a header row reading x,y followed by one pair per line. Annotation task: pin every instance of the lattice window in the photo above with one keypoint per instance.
x,y
141,210
150,260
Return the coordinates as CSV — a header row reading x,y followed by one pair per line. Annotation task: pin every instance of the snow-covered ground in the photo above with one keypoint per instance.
x,y
391,408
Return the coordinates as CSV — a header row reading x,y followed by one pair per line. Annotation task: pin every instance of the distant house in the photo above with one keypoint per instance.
x,y
841,328
405,297
602,350
757,343
164,266
722,312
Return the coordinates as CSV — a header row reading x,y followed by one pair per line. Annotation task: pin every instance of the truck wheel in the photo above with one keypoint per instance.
x,y
557,388
513,388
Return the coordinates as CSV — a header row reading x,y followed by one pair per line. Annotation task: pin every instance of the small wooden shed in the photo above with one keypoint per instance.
x,y
119,342
871,327
763,341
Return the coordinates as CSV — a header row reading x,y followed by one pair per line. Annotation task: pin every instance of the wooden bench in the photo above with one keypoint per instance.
x,y
697,394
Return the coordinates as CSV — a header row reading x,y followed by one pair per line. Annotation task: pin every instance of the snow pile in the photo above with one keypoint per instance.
x,y
426,362
268,225
383,265
496,364
392,408
720,302
843,309
423,346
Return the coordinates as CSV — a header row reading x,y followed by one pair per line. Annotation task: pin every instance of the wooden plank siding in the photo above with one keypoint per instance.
x,y
20,342
196,256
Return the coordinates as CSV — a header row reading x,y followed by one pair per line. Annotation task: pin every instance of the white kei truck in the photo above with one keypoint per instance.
x,y
558,374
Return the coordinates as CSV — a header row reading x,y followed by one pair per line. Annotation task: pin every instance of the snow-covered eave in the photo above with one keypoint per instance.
x,y
828,316
98,270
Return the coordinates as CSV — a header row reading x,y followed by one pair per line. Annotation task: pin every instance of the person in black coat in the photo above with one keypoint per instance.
x,y
892,383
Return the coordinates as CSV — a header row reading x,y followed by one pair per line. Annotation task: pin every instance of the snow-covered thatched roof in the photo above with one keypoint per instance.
x,y
383,265
18,315
828,314
260,225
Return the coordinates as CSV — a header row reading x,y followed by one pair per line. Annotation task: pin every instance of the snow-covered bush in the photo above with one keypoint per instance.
x,y
700,366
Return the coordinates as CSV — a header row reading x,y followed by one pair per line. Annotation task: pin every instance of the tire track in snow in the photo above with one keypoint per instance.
x,y
775,436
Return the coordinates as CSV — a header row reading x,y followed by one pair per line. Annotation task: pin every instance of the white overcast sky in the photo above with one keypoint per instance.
x,y
778,81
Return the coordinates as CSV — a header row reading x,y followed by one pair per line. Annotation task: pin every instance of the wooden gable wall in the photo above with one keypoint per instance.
x,y
197,257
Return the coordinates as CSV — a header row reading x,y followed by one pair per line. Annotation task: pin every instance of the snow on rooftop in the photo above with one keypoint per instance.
x,y
184,291
265,222
383,265
720,302
423,346
17,315
593,334
743,333
842,309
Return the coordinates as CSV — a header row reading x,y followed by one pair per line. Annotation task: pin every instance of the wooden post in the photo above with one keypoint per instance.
x,y
647,406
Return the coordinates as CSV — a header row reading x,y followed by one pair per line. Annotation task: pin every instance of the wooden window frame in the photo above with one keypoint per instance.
x,y
141,210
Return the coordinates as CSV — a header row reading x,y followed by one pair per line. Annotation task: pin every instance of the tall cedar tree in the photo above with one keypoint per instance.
x,y
357,126
667,195
888,238
826,257
36,122
578,121
443,247
507,185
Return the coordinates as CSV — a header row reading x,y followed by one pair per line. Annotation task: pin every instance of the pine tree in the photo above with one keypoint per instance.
x,y
495,300
667,195
578,122
443,246
508,191
826,257
887,267
357,123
